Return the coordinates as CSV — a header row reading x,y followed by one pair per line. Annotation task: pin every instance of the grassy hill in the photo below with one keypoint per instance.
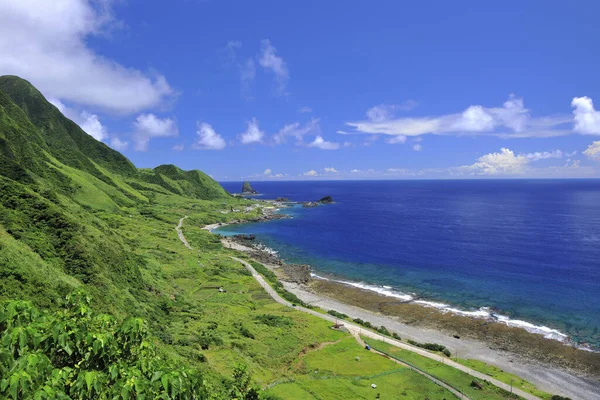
x,y
78,217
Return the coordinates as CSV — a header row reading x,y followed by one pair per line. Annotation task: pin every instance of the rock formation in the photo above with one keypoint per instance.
x,y
248,189
326,200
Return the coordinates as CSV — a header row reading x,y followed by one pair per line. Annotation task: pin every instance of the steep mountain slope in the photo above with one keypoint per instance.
x,y
65,140
60,189
75,214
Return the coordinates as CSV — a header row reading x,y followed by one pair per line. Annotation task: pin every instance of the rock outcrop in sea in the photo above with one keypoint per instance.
x,y
248,189
326,200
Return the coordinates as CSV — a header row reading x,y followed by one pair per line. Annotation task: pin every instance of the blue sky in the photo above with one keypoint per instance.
x,y
322,90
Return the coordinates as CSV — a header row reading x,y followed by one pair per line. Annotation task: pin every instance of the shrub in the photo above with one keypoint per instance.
x,y
77,354
337,314
431,346
274,320
383,330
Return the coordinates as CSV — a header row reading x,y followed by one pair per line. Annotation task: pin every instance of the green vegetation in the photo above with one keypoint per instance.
x,y
275,284
505,377
432,346
148,317
459,380
75,353
337,314
344,370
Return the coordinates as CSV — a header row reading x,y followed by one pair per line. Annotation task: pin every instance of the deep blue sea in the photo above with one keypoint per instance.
x,y
522,251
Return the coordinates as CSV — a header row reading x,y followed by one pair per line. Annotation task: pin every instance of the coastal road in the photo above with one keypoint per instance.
x,y
359,330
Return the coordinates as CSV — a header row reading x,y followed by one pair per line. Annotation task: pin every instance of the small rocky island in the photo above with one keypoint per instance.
x,y
247,189
324,200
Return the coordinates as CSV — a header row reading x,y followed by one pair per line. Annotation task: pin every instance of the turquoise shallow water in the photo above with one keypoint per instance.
x,y
524,251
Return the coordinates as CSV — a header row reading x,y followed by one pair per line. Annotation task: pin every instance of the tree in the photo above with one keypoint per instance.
x,y
75,354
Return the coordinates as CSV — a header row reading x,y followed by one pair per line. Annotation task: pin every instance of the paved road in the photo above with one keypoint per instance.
x,y
180,233
356,329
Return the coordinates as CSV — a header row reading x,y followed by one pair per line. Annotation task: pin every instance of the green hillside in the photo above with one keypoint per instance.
x,y
99,298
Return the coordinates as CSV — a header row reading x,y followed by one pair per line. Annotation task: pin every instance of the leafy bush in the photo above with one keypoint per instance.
x,y
274,320
244,330
396,336
383,330
431,346
75,354
337,314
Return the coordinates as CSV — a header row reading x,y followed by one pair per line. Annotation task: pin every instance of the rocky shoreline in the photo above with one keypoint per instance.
x,y
548,363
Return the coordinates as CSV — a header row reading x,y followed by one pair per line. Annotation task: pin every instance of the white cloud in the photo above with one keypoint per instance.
x,y
118,144
268,171
397,139
269,60
506,162
298,131
312,172
512,117
208,139
593,150
148,126
46,43
587,119
247,73
89,122
330,170
253,134
474,119
322,144
381,112
544,155
385,112
355,171
417,147
234,44
304,110
178,147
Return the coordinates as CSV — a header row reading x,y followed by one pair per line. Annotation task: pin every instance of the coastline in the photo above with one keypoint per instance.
x,y
550,364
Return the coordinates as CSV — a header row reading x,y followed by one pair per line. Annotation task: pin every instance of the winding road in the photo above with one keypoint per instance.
x,y
357,330
180,233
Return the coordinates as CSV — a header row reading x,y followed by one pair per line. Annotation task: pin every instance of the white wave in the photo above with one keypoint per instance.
x,y
378,289
548,333
266,249
483,312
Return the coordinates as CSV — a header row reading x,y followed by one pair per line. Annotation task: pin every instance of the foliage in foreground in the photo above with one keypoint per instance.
x,y
75,354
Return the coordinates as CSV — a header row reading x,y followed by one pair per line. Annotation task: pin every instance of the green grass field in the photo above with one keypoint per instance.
x,y
332,371
455,378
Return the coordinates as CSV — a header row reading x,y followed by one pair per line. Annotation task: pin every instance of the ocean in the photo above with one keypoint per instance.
x,y
525,252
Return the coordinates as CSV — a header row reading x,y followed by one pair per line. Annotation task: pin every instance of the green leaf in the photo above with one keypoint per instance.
x,y
89,379
165,382
156,376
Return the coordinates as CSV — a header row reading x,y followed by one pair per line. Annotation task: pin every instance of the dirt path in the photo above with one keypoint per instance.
x,y
180,233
